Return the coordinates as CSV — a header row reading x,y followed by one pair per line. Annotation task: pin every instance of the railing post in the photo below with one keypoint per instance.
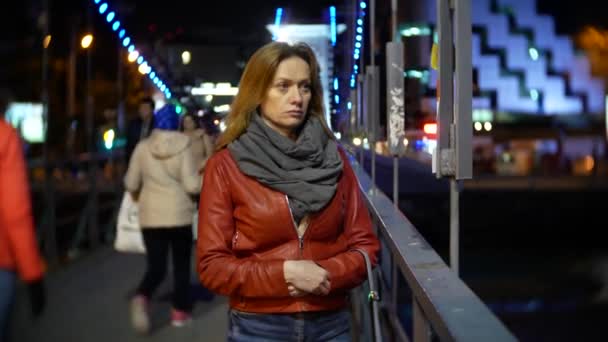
x,y
453,155
422,329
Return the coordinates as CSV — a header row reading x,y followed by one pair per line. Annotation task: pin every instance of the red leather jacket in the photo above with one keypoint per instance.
x,y
18,246
246,232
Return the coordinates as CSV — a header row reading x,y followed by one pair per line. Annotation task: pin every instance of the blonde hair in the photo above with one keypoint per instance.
x,y
256,80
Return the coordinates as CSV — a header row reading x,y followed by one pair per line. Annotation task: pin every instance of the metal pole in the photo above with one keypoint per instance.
x,y
49,233
373,100
463,131
362,112
394,14
372,32
463,111
422,329
454,226
93,227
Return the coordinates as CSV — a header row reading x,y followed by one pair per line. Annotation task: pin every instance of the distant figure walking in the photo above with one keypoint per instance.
x,y
162,177
202,143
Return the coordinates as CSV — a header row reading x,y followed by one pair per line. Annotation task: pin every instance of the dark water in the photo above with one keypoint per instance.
x,y
538,259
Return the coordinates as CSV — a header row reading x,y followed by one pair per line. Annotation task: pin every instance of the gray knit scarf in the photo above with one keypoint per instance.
x,y
306,170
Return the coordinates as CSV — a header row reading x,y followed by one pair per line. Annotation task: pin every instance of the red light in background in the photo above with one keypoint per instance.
x,y
430,128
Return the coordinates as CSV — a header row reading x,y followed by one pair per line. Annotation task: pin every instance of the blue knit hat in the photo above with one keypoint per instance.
x,y
166,118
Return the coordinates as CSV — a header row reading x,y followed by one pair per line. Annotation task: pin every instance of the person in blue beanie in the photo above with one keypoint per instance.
x,y
162,177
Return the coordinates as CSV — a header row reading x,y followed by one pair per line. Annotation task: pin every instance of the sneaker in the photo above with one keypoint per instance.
x,y
180,318
139,314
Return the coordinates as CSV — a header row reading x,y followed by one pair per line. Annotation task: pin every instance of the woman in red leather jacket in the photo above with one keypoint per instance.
x,y
281,215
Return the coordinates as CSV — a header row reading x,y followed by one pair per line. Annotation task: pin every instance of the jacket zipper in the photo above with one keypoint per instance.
x,y
295,227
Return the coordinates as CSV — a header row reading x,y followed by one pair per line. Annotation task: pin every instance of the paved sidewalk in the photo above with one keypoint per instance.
x,y
87,301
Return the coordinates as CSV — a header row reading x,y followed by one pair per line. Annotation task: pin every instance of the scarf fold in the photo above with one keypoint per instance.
x,y
306,170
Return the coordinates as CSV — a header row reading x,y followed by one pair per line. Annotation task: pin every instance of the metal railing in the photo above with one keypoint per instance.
x,y
59,187
443,307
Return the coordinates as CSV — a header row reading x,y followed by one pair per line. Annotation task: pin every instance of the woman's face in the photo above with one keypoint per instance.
x,y
189,124
285,105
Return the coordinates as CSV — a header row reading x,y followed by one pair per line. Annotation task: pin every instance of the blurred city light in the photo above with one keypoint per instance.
x,y
47,41
86,41
102,8
413,31
186,57
534,94
133,56
487,126
430,128
221,109
478,126
110,17
332,19
533,53
277,22
357,141
219,89
108,138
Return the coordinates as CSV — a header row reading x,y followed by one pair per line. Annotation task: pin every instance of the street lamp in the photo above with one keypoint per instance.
x,y
86,41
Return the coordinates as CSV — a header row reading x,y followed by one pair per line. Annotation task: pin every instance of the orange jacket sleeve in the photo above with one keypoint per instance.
x,y
218,268
347,270
16,220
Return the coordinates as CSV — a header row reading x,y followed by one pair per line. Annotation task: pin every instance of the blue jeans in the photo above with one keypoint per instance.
x,y
7,294
332,326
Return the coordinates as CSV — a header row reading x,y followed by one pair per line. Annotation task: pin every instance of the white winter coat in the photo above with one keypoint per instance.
x,y
163,172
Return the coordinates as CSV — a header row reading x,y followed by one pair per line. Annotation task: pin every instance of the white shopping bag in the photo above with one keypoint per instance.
x,y
129,238
195,225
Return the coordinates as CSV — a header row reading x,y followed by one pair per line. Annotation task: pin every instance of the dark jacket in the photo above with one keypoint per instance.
x,y
246,232
134,134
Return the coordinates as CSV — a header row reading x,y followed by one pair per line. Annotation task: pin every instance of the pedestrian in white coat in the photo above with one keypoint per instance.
x,y
162,177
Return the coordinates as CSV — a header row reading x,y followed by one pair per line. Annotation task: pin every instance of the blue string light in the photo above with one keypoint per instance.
x,y
332,18
126,42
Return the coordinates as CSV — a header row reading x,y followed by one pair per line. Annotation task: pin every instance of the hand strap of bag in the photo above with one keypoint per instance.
x,y
373,297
